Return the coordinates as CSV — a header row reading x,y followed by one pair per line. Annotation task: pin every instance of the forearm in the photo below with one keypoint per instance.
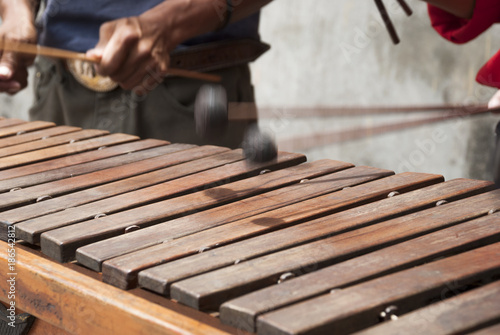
x,y
184,19
462,8
18,20
244,8
18,24
21,11
131,46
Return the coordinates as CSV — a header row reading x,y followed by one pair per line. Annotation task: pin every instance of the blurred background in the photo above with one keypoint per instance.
x,y
336,57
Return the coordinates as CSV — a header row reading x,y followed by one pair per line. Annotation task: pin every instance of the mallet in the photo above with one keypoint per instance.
x,y
210,111
211,120
259,147
34,49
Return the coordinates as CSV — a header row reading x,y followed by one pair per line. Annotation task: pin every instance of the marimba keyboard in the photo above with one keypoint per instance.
x,y
284,247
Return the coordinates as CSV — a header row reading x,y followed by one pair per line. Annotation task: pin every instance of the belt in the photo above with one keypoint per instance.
x,y
217,55
202,58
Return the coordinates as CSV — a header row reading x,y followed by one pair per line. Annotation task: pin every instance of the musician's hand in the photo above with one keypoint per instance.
x,y
494,102
133,52
13,67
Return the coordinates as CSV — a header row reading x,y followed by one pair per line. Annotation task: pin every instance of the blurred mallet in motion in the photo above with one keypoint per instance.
x,y
210,111
387,20
259,147
211,117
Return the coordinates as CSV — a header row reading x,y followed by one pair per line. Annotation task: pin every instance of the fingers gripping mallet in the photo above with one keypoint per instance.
x,y
211,120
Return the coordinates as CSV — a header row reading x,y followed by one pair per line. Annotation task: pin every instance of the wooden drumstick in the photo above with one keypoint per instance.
x,y
387,21
308,142
405,7
33,49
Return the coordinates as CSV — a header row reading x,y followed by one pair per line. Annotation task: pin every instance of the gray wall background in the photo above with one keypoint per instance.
x,y
337,53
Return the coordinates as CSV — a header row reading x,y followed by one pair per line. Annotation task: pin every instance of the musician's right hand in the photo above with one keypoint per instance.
x,y
13,66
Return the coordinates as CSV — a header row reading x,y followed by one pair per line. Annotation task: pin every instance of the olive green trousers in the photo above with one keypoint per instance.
x,y
165,112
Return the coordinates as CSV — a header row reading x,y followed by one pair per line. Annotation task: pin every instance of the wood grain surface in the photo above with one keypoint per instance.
x,y
161,238
217,231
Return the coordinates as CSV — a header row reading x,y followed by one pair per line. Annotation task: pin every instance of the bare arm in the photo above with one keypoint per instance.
x,y
129,48
20,10
461,8
238,10
18,18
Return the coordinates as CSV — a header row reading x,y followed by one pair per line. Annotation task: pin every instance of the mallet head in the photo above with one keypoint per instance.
x,y
259,147
210,111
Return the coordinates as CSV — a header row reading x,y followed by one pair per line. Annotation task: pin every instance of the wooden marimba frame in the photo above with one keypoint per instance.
x,y
117,235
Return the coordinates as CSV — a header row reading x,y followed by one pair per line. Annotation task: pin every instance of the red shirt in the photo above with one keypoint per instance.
x,y
458,30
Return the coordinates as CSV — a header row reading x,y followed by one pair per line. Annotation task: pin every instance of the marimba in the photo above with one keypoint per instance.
x,y
118,235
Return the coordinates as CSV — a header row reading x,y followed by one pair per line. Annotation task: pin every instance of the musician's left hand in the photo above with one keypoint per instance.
x,y
133,51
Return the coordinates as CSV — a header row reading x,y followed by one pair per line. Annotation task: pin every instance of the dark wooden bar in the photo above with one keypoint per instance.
x,y
118,235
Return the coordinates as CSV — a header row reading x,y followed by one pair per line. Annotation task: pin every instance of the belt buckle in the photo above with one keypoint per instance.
x,y
85,74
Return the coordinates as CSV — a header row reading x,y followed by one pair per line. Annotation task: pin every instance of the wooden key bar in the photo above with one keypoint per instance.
x,y
88,180
87,210
281,247
30,136
23,128
489,330
91,166
209,290
242,312
148,172
61,243
123,270
93,256
160,278
90,306
148,183
50,142
63,150
460,314
262,183
74,160
84,210
4,123
353,308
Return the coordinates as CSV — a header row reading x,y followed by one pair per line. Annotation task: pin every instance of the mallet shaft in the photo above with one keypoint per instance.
x,y
33,49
